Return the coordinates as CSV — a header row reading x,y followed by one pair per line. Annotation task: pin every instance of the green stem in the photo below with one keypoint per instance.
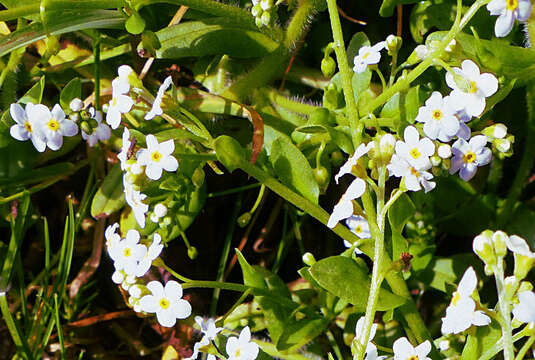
x,y
14,331
498,346
525,348
505,312
277,98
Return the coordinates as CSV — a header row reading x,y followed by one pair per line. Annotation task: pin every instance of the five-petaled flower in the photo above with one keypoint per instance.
x,y
242,348
157,157
52,125
414,150
438,116
127,254
467,156
25,128
166,302
368,55
413,177
403,350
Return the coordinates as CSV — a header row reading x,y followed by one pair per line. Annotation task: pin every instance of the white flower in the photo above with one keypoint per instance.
x,y
368,55
166,302
112,238
360,227
525,310
52,126
518,245
371,349
120,102
508,11
76,105
344,208
461,313
208,327
414,150
160,210
242,348
156,109
467,156
444,151
102,132
25,128
473,87
439,118
157,157
352,161
128,252
443,345
415,178
155,249
403,350
125,148
134,198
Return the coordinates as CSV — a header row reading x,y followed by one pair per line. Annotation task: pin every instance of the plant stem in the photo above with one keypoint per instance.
x,y
525,348
96,55
505,312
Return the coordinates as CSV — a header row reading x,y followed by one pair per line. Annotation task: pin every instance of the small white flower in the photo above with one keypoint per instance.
x,y
508,11
421,51
112,238
352,161
160,210
524,311
368,55
359,226
415,178
403,350
474,89
467,156
120,102
156,109
439,118
344,208
166,302
128,253
134,198
25,128
242,348
157,157
52,125
155,249
415,150
461,313
444,151
102,132
208,327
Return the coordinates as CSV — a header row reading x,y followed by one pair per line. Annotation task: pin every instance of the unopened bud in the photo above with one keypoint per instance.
x,y
482,246
256,10
496,131
523,264
421,52
387,145
444,151
488,270
265,19
393,44
499,242
435,160
328,66
502,145
76,105
266,4
84,125
511,284
244,219
309,259
166,221
525,286
192,252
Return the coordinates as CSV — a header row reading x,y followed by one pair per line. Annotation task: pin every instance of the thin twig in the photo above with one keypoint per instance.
x,y
347,17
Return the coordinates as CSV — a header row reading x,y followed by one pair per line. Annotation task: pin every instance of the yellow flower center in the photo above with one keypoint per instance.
x,y
455,299
473,87
413,357
53,124
511,5
366,54
358,229
114,102
469,157
415,153
28,126
414,171
437,114
156,156
164,303
237,353
127,252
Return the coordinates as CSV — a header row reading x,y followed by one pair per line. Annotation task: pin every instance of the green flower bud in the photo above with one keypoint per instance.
x,y
387,145
496,131
322,176
511,284
435,160
84,125
502,145
244,219
525,286
265,19
523,264
499,242
166,221
393,44
256,10
309,259
488,270
483,247
328,66
258,22
52,45
192,252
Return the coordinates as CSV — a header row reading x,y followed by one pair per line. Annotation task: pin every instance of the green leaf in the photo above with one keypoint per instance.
x,y
293,169
298,333
342,277
427,15
110,196
35,94
443,273
251,277
361,83
210,37
402,108
388,6
483,338
72,90
61,22
400,212
135,24
229,152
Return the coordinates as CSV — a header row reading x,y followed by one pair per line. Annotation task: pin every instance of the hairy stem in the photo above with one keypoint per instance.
x,y
505,312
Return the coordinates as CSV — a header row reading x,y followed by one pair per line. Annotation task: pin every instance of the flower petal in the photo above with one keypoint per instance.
x,y
173,289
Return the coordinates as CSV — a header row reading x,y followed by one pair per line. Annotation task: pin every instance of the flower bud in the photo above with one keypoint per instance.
x,y
393,44
446,164
322,176
444,151
265,19
499,242
421,52
482,246
511,284
435,160
488,270
525,286
387,145
166,221
266,4
328,66
244,219
258,22
523,264
256,10
76,105
309,259
192,252
84,125
502,145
